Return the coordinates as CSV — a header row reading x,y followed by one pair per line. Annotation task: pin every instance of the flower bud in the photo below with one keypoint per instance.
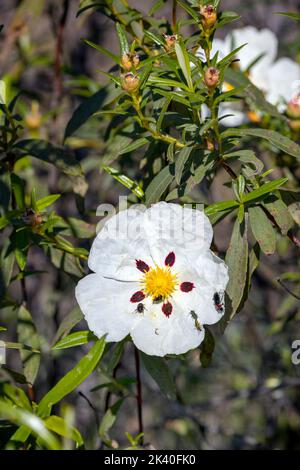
x,y
31,218
130,82
33,119
170,41
293,108
209,16
211,77
130,60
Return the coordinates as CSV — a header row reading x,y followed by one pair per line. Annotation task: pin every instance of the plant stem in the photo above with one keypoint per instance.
x,y
58,51
174,16
156,135
139,398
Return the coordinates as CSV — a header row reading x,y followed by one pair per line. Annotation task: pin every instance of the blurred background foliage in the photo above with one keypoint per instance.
x,y
248,397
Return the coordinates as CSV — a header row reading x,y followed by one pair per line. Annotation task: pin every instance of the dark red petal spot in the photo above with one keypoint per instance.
x,y
137,297
186,286
170,259
142,266
167,309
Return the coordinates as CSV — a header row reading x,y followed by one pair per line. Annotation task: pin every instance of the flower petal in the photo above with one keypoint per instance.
x,y
181,226
106,305
159,335
258,43
283,80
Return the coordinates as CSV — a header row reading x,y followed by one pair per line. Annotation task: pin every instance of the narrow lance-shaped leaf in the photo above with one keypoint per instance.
x,y
72,379
124,47
280,141
101,49
262,230
237,262
264,190
109,419
29,422
159,371
62,158
158,185
207,348
60,427
280,212
75,339
28,335
180,162
125,181
184,62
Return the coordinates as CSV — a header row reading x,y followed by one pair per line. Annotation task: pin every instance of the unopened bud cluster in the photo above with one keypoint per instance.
x,y
170,41
130,82
130,61
211,77
209,16
32,218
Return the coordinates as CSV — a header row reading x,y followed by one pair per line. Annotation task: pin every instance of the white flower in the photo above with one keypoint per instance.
x,y
155,278
279,81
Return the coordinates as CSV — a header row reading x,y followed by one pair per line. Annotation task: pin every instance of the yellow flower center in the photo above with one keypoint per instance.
x,y
159,283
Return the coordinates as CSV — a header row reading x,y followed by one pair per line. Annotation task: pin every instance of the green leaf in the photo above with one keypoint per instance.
x,y
280,212
226,17
109,419
63,159
6,219
280,141
136,144
207,348
253,165
220,207
159,371
30,423
124,47
158,185
21,243
125,181
180,161
72,379
294,16
265,189
237,262
262,230
75,339
189,10
18,188
60,427
184,62
85,110
159,81
27,334
41,204
104,51
71,319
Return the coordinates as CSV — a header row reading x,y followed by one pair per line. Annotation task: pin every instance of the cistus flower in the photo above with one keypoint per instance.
x,y
130,82
209,16
155,279
277,79
211,77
